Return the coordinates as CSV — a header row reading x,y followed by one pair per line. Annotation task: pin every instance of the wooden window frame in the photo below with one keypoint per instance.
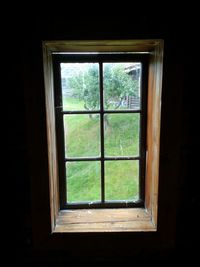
x,y
100,59
108,220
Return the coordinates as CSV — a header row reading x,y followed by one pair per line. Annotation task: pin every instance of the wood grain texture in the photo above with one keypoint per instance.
x,y
153,130
104,220
108,220
51,136
102,46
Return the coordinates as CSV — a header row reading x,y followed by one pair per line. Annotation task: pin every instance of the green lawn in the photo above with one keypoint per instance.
x,y
82,139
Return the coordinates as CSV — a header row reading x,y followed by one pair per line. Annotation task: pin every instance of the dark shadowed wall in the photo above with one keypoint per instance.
x,y
179,132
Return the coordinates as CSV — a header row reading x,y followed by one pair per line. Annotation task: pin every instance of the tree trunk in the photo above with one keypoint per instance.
x,y
106,121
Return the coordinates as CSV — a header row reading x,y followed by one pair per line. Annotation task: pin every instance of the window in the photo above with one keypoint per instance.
x,y
100,119
103,143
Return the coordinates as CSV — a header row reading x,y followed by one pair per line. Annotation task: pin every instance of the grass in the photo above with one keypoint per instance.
x,y
82,136
70,103
122,136
83,181
82,139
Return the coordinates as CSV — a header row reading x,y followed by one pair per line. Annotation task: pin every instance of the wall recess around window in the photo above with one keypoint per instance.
x,y
69,108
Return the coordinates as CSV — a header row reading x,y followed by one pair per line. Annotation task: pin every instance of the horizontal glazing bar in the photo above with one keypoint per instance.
x,y
106,204
98,158
83,159
122,158
104,112
81,112
122,111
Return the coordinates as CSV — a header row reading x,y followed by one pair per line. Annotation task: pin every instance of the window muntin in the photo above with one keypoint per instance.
x,y
108,162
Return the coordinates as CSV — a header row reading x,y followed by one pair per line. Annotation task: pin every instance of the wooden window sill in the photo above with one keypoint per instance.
x,y
104,220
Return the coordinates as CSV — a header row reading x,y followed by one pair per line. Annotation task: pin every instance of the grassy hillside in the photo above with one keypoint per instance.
x,y
82,139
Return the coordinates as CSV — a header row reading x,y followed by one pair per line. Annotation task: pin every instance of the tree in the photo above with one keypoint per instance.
x,y
118,86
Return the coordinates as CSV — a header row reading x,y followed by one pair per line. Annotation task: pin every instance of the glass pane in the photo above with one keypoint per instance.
x,y
122,180
121,133
82,135
121,85
83,181
80,86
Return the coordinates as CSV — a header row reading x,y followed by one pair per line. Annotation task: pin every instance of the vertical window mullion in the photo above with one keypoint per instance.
x,y
102,132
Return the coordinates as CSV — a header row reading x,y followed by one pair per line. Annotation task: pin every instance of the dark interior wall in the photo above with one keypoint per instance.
x,y
179,133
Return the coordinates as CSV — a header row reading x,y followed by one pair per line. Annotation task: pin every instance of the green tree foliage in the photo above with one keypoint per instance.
x,y
118,85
